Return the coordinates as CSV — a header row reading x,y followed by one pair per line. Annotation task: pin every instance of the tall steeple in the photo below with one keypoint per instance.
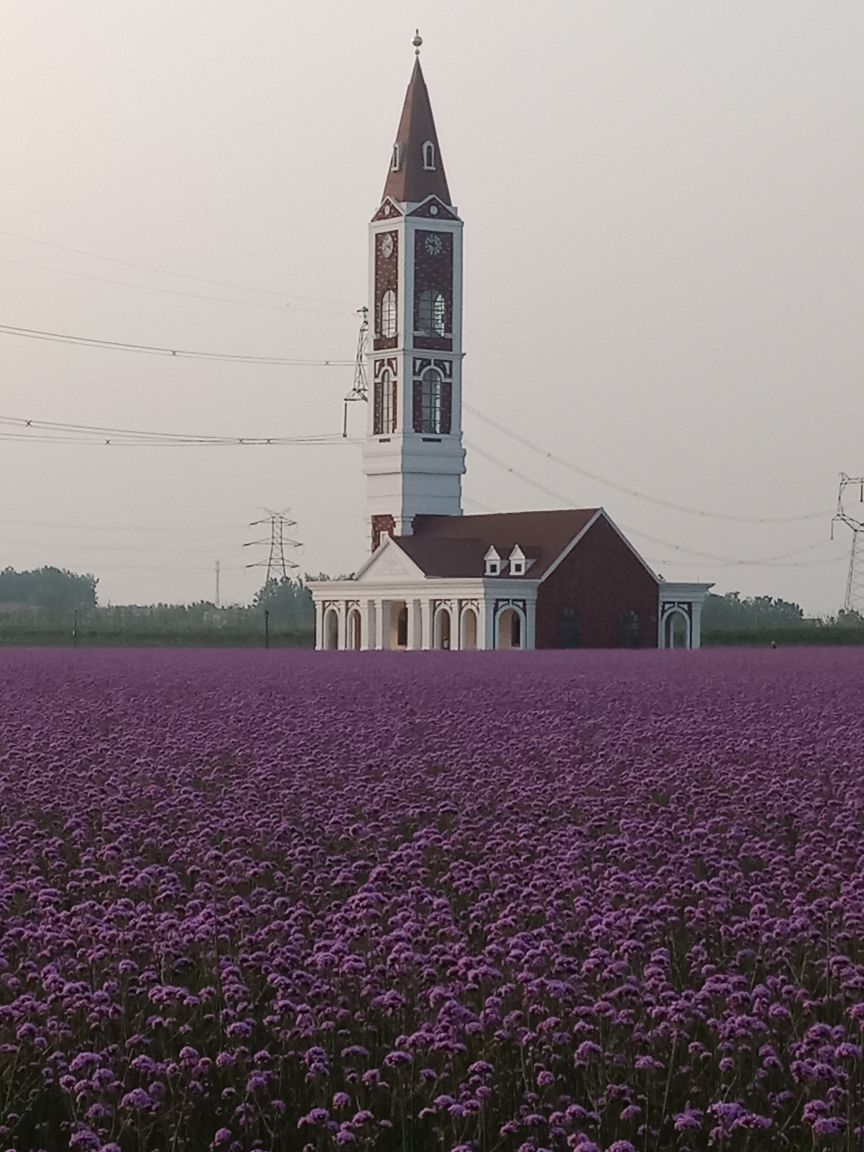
x,y
413,457
416,167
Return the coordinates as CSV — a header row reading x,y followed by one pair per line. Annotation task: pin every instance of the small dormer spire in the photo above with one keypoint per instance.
x,y
517,561
493,561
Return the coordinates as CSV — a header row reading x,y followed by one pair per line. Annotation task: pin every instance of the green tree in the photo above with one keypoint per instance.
x,y
48,587
288,601
731,612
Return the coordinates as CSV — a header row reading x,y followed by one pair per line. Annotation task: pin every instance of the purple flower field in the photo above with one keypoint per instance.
x,y
510,901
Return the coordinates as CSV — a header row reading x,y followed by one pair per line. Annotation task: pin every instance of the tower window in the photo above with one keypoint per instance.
x,y
429,156
384,413
396,162
431,313
431,392
388,313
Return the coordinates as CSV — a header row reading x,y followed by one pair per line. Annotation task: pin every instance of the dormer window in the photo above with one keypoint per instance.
x,y
396,162
429,156
517,561
493,562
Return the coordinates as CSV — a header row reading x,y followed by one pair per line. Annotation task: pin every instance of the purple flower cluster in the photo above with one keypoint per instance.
x,y
459,901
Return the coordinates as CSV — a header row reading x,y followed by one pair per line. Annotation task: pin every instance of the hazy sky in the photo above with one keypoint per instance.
x,y
664,271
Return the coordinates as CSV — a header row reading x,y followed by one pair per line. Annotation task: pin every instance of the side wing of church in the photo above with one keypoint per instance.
x,y
436,578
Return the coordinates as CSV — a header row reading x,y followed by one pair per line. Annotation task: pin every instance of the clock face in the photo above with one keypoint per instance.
x,y
433,243
385,246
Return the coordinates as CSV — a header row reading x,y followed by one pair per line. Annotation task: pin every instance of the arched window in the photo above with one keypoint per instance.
x,y
388,313
431,313
396,162
384,416
630,630
571,628
431,389
429,156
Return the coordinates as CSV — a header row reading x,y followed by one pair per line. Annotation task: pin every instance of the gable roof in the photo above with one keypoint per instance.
x,y
412,182
456,546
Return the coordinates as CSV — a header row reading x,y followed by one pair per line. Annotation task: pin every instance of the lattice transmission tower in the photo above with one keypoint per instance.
x,y
854,600
277,564
360,387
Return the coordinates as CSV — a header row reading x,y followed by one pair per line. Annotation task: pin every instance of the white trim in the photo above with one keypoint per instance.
x,y
579,535
387,542
523,627
641,560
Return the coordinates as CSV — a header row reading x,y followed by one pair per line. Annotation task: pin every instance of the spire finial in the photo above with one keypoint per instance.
x,y
417,41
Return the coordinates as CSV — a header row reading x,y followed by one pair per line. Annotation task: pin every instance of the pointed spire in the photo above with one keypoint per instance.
x,y
416,168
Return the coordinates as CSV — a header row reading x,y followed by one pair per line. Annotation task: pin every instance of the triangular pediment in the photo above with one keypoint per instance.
x,y
389,210
434,209
388,564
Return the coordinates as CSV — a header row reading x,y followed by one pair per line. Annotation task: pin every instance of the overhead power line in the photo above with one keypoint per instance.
x,y
171,291
55,432
634,492
724,561
156,350
169,272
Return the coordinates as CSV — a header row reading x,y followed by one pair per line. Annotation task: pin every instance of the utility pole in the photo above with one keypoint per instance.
x,y
360,387
218,590
277,564
854,600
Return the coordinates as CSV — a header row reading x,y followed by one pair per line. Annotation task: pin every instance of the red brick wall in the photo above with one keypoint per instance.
x,y
601,579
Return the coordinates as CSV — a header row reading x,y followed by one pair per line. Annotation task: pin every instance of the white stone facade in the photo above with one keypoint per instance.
x,y
679,621
391,605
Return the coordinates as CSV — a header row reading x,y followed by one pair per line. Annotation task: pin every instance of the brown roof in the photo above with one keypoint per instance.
x,y
413,182
454,546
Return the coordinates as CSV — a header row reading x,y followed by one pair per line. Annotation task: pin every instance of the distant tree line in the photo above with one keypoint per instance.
x,y
731,619
43,605
52,606
47,587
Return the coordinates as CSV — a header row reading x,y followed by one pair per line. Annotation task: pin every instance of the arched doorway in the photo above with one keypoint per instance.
x,y
441,632
676,629
468,629
352,630
510,632
331,629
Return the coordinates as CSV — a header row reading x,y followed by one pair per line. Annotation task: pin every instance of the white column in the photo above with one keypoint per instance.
x,y
365,628
661,629
530,624
342,629
319,625
487,624
456,626
696,627
411,609
425,624
379,625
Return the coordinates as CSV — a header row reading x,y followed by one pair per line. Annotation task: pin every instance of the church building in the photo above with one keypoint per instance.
x,y
436,578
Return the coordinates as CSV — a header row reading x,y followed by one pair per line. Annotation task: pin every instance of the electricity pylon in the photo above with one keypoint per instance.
x,y
854,601
360,387
276,562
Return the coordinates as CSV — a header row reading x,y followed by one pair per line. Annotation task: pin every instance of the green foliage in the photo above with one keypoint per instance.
x,y
48,587
806,632
731,613
287,601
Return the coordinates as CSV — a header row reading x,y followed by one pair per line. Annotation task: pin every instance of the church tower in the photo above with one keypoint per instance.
x,y
413,457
